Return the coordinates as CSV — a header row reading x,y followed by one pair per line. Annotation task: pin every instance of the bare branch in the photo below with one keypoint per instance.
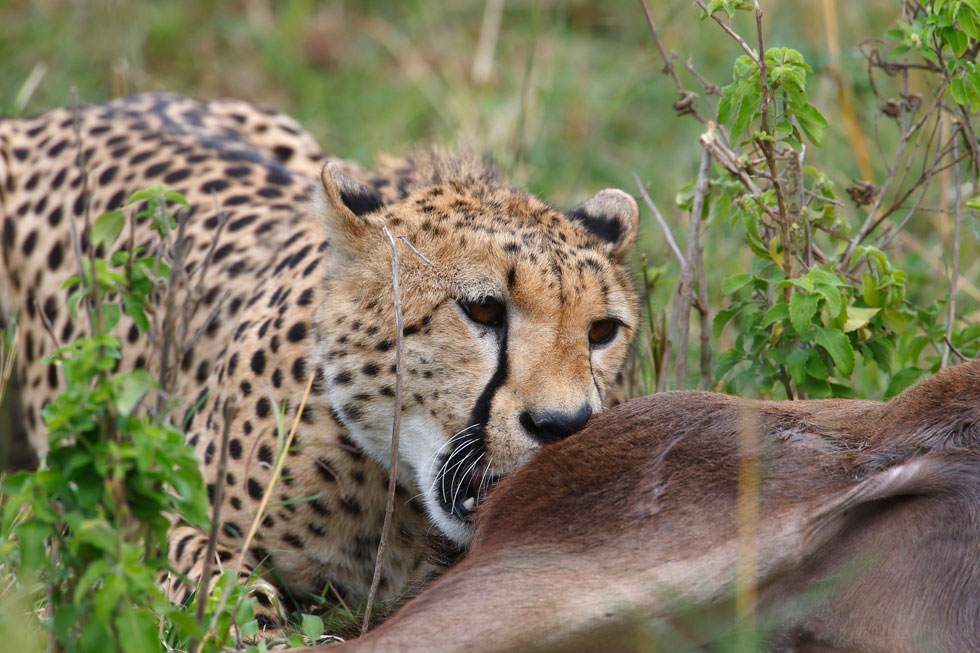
x,y
731,33
766,146
681,313
668,64
660,219
954,275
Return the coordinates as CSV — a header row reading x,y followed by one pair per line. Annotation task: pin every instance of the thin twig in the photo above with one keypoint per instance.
x,y
417,252
705,323
75,240
230,410
47,324
728,30
766,146
668,64
869,221
954,275
395,431
660,219
681,313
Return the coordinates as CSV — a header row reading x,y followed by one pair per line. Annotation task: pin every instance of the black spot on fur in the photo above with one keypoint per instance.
x,y
258,361
255,489
297,332
55,256
262,407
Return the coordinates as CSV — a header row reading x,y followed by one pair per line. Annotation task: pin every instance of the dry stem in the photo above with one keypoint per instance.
x,y
660,219
230,410
681,314
954,274
395,431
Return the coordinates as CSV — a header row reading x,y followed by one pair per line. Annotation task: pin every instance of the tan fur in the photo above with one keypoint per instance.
x,y
297,291
869,523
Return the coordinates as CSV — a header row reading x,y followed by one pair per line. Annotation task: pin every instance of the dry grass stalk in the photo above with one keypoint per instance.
x,y
230,410
260,511
395,430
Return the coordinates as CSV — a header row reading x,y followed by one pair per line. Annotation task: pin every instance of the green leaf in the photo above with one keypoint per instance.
x,y
958,90
107,228
870,292
801,309
838,346
858,317
137,630
725,108
818,276
967,19
893,319
110,316
811,122
726,314
735,282
31,537
133,387
747,111
815,367
135,309
903,379
816,388
776,313
832,296
796,364
312,627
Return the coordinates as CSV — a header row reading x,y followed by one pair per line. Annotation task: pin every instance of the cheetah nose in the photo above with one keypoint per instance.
x,y
548,426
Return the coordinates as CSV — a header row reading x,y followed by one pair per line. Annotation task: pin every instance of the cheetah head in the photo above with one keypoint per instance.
x,y
516,323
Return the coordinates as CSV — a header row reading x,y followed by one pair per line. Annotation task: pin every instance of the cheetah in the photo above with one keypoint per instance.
x,y
517,319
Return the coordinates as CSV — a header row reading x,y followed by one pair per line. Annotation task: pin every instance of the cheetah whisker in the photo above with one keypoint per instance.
x,y
465,475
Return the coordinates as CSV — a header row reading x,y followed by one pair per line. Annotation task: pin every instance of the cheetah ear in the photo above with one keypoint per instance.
x,y
344,208
613,217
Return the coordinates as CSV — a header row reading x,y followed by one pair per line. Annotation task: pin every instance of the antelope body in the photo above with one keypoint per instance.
x,y
865,534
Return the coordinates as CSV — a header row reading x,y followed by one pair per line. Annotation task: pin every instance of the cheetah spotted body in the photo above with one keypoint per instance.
x,y
513,334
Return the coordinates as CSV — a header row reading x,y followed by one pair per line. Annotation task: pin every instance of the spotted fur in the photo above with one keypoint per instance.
x,y
300,284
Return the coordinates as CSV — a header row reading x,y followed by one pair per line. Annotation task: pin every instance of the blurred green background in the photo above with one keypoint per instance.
x,y
568,96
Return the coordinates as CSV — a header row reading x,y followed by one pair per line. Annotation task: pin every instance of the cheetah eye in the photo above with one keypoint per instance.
x,y
488,312
603,331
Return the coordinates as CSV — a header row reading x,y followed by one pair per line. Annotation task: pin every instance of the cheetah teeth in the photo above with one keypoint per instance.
x,y
469,504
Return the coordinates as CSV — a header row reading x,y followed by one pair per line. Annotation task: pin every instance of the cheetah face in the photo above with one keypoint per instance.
x,y
512,335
